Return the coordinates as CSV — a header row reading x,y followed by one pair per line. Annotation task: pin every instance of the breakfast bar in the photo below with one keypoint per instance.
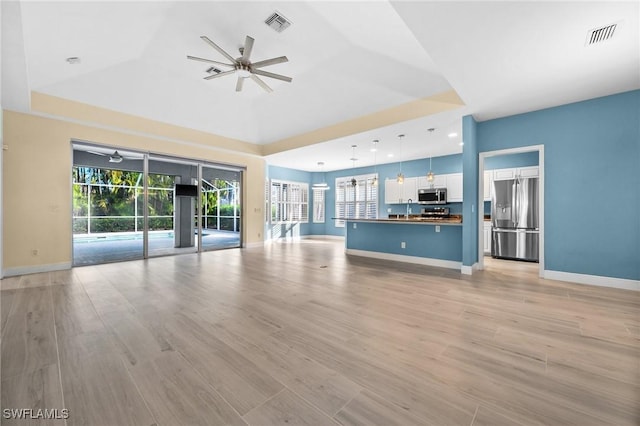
x,y
412,240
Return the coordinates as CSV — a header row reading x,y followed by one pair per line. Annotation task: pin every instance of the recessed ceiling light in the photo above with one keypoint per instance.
x,y
73,60
461,143
373,150
452,134
389,155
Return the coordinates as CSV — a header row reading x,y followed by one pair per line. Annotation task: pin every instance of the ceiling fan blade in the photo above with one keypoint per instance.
x,y
239,84
261,83
209,61
272,75
209,77
97,153
271,61
248,46
218,48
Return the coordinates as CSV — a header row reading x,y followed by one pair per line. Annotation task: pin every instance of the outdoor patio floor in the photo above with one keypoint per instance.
x,y
95,249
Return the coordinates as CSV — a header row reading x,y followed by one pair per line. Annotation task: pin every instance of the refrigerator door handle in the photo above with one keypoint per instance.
x,y
517,221
513,203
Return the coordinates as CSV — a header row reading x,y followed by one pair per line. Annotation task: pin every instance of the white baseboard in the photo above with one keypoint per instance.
x,y
257,244
597,280
468,270
24,270
324,237
451,264
306,237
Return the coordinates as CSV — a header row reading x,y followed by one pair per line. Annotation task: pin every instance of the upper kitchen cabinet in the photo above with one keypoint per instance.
x,y
525,172
513,173
488,184
454,188
452,181
400,193
439,181
504,174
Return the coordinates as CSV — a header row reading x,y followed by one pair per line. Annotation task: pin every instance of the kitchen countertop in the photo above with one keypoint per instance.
x,y
455,220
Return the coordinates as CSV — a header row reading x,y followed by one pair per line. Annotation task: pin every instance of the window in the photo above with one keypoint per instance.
x,y
359,201
266,201
289,202
318,206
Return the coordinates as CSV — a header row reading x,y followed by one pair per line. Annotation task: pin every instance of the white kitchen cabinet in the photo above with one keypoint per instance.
x,y
409,190
488,184
487,237
396,193
515,172
439,181
527,171
454,187
504,174
391,191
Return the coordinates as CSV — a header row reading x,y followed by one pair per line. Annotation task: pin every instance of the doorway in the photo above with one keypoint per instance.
x,y
485,178
130,205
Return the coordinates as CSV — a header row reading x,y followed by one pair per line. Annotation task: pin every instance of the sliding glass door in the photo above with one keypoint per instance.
x,y
220,208
182,206
171,206
106,219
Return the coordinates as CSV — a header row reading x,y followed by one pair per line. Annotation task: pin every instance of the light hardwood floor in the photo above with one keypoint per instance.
x,y
299,333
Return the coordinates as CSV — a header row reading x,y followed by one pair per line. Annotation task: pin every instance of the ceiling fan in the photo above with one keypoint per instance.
x,y
116,157
242,66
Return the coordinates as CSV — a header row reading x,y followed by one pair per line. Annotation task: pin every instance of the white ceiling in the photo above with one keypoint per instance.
x,y
347,60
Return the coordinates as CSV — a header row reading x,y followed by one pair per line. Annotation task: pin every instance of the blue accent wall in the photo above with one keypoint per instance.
x,y
470,192
439,165
521,159
592,180
421,240
287,230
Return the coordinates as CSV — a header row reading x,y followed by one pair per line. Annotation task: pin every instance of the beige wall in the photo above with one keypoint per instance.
x,y
36,180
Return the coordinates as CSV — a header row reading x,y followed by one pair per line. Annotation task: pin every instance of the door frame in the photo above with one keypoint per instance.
x,y
481,157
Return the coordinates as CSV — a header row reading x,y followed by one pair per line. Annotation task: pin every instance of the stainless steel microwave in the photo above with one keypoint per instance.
x,y
432,196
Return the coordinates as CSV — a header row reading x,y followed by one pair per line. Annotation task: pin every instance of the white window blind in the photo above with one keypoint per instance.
x,y
356,202
318,206
289,201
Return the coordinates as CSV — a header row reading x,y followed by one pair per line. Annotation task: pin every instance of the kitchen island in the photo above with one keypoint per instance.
x,y
413,240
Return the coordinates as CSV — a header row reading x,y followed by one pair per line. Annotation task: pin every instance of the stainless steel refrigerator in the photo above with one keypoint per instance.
x,y
514,216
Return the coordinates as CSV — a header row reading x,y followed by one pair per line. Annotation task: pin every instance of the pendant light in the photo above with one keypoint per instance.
x,y
400,177
375,162
354,182
322,186
430,175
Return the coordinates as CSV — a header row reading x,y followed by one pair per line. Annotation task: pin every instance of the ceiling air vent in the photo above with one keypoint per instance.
x,y
601,34
278,22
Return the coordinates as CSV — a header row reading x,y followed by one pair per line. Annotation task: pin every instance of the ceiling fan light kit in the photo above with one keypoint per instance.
x,y
115,157
242,67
